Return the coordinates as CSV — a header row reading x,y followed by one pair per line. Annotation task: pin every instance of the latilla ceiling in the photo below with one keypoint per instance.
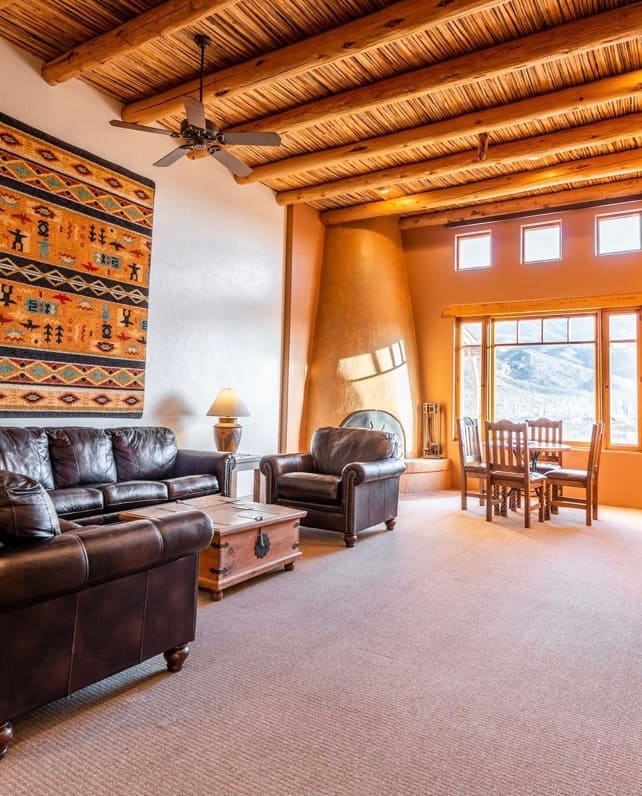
x,y
432,110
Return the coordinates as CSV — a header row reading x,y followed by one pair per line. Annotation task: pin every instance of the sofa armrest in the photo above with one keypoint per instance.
x,y
73,561
363,472
279,464
218,463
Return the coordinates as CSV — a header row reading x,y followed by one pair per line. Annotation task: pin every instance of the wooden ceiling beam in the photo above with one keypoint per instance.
x,y
535,148
571,38
160,21
587,195
566,100
399,20
592,168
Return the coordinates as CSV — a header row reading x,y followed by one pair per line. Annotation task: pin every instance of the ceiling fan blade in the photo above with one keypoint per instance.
x,y
251,139
173,156
231,163
195,112
141,127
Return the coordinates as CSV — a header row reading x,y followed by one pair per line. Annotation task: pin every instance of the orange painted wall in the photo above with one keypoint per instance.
x,y
434,284
305,251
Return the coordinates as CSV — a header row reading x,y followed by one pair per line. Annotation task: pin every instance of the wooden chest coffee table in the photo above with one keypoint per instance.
x,y
249,538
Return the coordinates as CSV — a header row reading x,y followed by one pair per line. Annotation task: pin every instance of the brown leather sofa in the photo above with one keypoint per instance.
x,y
348,481
82,604
94,473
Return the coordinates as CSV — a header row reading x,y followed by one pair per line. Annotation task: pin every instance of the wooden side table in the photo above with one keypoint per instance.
x,y
249,461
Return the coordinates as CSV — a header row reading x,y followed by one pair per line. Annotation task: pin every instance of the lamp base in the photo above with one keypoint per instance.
x,y
227,435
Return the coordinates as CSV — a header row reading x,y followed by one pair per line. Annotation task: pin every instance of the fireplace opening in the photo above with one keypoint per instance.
x,y
379,420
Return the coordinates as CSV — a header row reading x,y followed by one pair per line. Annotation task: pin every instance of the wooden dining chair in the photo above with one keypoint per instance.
x,y
545,430
509,471
471,460
584,480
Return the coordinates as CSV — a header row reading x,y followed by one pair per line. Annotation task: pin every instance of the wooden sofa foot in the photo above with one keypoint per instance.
x,y
6,734
390,524
176,657
349,539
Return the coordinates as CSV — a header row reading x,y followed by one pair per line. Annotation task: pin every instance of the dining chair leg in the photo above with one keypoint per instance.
x,y
527,511
541,493
490,503
589,505
464,490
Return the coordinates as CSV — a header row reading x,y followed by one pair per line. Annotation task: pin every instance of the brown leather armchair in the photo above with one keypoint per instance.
x,y
348,481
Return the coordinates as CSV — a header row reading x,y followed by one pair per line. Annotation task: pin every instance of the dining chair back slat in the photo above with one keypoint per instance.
x,y
507,446
550,431
469,441
471,460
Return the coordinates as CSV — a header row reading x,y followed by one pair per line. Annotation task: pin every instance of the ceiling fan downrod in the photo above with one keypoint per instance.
x,y
202,42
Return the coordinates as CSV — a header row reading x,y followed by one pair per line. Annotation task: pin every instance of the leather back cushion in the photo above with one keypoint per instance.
x,y
144,452
26,510
333,448
81,456
26,451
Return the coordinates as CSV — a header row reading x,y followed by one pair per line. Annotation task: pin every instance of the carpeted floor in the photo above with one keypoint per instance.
x,y
450,656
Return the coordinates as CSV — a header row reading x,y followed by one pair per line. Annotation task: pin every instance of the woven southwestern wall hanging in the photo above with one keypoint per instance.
x,y
75,241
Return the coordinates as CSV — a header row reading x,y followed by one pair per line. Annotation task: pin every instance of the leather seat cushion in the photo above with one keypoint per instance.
x,y
546,467
76,500
26,510
482,469
81,456
191,486
309,487
566,474
144,452
128,494
536,478
26,451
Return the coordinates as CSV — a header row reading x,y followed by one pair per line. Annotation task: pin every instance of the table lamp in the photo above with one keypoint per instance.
x,y
228,407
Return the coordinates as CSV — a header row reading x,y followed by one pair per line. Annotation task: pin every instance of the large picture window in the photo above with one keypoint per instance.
x,y
576,368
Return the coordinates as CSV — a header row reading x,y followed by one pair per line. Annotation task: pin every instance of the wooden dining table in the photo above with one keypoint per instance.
x,y
535,448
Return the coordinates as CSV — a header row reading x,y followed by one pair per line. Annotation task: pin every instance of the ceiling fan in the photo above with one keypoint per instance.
x,y
200,136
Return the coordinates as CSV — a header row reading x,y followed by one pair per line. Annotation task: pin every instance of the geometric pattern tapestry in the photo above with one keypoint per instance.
x,y
75,244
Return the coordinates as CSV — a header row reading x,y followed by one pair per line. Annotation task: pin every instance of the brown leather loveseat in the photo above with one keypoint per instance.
x,y
82,604
94,473
348,481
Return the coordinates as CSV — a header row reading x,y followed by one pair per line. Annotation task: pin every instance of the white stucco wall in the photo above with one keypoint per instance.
x,y
217,266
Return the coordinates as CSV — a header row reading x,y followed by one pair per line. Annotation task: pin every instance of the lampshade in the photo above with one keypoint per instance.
x,y
228,404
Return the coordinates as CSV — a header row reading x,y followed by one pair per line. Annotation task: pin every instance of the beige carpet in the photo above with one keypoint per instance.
x,y
450,656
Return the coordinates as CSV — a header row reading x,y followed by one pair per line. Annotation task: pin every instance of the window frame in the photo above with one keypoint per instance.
x,y
483,409
606,371
601,216
602,363
522,236
477,234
